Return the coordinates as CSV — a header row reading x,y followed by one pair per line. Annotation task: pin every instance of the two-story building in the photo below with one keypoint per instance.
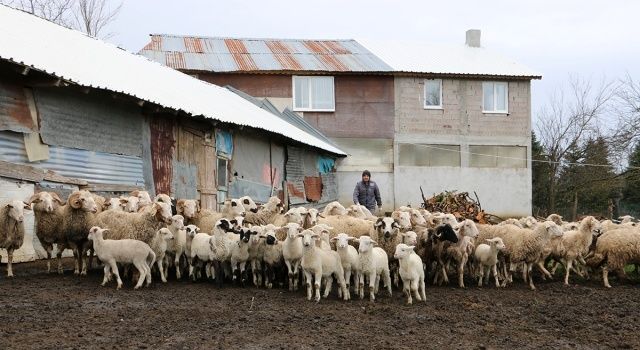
x,y
440,118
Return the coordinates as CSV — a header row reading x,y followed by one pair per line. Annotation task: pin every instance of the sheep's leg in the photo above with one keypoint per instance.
x,y
327,288
91,253
290,274
487,274
9,262
528,267
141,271
76,257
372,285
347,278
568,271
163,278
49,250
407,291
423,292
414,289
84,261
166,263
309,287
176,262
107,273
346,294
605,276
480,275
148,272
114,270
387,281
494,268
317,276
540,265
461,272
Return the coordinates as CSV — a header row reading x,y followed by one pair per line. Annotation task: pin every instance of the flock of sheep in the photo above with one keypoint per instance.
x,y
265,246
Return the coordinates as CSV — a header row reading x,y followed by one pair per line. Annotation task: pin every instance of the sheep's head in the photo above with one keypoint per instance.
x,y
16,210
497,242
273,205
97,232
45,201
162,212
552,229
294,216
417,218
342,240
188,208
365,244
293,229
410,238
237,223
528,222
403,218
626,218
224,225
112,204
191,230
245,234
177,221
356,211
467,228
334,208
130,204
445,233
249,204
389,227
234,207
270,234
312,217
555,218
592,225
82,200
144,198
403,251
308,238
165,233
164,198
323,230
256,232
570,226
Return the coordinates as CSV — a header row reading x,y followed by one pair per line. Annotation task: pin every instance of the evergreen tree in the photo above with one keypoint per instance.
x,y
540,173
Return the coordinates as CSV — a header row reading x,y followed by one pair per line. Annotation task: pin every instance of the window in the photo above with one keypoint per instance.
x,y
429,155
313,94
495,97
223,179
487,156
433,93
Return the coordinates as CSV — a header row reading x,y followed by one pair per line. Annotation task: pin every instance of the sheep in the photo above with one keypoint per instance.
x,y
48,214
411,272
570,226
352,226
360,212
417,219
317,264
248,204
348,258
164,198
555,218
130,204
12,229
76,221
113,204
431,241
486,256
403,218
273,258
144,199
201,252
311,219
323,231
176,246
459,252
256,254
269,213
511,221
126,251
193,214
190,232
608,225
388,237
626,218
528,222
292,253
140,225
615,250
240,255
577,243
332,209
159,247
221,247
374,264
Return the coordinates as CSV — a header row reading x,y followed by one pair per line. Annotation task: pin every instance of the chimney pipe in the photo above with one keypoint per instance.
x,y
473,38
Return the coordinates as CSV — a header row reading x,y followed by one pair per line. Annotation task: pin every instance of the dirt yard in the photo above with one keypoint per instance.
x,y
44,311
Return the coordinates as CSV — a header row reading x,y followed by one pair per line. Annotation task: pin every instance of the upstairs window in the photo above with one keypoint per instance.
x,y
433,93
495,97
313,94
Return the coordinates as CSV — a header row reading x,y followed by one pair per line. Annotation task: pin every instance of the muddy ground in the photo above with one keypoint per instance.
x,y
48,311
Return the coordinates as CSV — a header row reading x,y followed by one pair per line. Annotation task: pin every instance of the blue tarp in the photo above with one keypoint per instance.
x,y
224,143
325,164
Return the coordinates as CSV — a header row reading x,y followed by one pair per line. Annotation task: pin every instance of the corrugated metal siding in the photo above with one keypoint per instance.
x,y
185,180
162,146
329,188
257,191
243,54
88,122
95,167
14,111
295,175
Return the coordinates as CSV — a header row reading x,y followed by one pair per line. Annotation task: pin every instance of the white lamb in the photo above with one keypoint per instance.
x,y
411,272
374,264
176,247
124,251
348,258
159,247
292,253
486,255
318,264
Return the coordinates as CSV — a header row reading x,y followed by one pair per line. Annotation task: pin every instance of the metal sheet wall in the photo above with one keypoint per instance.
x,y
95,167
14,111
162,146
90,122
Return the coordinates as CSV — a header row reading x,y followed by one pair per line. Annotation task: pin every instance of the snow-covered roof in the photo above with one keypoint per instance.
x,y
443,59
78,58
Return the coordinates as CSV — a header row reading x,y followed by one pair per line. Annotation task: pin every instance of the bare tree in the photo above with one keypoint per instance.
x,y
627,108
58,11
92,16
570,116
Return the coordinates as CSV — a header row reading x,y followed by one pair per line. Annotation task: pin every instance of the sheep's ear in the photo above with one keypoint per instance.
x,y
180,204
246,201
351,238
374,242
321,215
333,239
27,205
106,230
411,247
300,229
124,200
234,204
315,235
197,206
300,234
378,223
34,199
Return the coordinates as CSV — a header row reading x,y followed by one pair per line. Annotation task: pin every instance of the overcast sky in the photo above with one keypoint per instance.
x,y
593,39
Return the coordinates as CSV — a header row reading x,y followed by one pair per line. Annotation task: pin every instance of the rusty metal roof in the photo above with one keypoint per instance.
x,y
249,55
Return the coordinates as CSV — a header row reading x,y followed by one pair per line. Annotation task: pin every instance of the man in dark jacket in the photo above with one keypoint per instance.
x,y
367,193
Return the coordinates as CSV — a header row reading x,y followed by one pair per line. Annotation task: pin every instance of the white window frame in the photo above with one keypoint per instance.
x,y
495,97
311,109
424,95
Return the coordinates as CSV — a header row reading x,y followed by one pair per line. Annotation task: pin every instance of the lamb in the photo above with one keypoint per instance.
x,y
292,253
323,231
176,246
411,272
555,218
459,252
159,247
141,225
125,251
348,258
417,219
190,232
240,255
76,221
360,212
615,250
511,221
256,254
403,219
12,229
350,225
248,204
221,248
486,256
201,253
577,243
374,264
626,218
388,235
48,214
144,199
318,264
311,218
332,209
130,204
528,222
164,198
113,204
231,209
273,258
270,212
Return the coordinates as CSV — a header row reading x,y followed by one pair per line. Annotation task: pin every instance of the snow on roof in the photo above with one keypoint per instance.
x,y
442,59
78,58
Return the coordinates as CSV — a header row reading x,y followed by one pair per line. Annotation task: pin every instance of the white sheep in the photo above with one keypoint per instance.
x,y
292,253
256,254
144,199
12,229
411,272
248,204
348,258
333,208
318,264
159,247
190,232
273,258
176,246
576,243
130,204
124,251
113,204
201,254
47,207
458,252
615,250
486,256
374,264
240,254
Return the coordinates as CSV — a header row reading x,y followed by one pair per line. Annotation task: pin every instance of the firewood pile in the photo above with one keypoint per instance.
x,y
460,204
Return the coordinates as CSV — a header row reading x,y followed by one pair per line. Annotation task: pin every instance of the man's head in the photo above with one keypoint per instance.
x,y
366,176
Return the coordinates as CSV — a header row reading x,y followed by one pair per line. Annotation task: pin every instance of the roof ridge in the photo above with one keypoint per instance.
x,y
247,38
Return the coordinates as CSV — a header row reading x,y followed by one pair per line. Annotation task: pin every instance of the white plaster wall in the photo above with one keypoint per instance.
x,y
16,190
502,192
347,182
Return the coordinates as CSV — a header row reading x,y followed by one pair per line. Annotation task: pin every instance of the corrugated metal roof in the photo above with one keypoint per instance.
x,y
77,58
245,55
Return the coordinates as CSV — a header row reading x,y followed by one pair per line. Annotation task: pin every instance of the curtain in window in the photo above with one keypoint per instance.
x,y
322,92
301,86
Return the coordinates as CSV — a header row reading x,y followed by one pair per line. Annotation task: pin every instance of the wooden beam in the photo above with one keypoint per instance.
x,y
111,188
21,172
54,177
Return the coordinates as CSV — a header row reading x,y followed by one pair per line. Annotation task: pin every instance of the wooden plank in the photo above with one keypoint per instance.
x,y
54,177
21,172
36,150
111,188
